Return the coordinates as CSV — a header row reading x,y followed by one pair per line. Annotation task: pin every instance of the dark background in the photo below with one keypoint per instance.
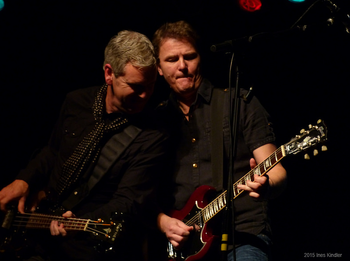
x,y
48,48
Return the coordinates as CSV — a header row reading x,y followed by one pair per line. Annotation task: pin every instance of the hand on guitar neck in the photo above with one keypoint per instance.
x,y
57,228
260,187
265,186
18,191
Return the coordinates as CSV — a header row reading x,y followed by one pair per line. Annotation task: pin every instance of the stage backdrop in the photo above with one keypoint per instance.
x,y
299,69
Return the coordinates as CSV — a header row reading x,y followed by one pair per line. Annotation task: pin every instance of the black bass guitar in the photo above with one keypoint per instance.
x,y
15,226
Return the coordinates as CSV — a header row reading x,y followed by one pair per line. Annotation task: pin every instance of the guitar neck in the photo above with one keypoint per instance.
x,y
42,221
260,170
220,202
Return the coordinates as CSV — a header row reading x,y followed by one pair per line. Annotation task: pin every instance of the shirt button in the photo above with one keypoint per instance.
x,y
193,140
194,165
75,192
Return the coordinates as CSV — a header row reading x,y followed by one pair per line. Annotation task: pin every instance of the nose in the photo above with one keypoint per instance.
x,y
145,92
142,95
182,64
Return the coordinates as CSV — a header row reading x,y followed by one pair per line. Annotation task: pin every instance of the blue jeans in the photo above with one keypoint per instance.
x,y
252,252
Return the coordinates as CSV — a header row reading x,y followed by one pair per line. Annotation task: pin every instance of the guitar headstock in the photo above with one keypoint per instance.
x,y
315,135
111,234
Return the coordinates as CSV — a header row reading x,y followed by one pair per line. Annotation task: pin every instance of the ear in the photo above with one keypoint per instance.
x,y
108,74
160,71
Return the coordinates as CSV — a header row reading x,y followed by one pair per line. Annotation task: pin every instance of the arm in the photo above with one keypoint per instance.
x,y
130,186
270,186
31,179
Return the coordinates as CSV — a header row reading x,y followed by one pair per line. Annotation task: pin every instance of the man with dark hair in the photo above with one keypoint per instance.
x,y
105,155
189,110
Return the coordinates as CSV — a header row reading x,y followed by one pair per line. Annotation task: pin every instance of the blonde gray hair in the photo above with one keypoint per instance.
x,y
129,46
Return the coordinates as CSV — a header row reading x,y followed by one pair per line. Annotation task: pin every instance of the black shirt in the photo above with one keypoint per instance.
x,y
128,187
193,152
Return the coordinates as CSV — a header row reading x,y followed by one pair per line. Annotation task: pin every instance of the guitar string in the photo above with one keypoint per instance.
x,y
213,204
38,220
68,226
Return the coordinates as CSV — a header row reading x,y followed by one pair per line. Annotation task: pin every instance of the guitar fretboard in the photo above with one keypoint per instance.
x,y
220,202
42,221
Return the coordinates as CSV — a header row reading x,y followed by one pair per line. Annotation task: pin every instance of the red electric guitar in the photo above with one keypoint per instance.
x,y
198,211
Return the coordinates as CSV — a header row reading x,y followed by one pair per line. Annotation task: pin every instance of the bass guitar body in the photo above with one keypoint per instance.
x,y
19,233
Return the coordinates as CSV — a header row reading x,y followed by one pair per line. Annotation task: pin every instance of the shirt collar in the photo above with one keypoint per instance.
x,y
205,90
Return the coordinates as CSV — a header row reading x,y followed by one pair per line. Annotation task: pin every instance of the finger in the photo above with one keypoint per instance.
x,y
175,244
178,241
33,208
3,205
196,227
260,179
21,204
68,214
254,195
245,187
61,230
252,163
185,227
54,228
179,232
254,185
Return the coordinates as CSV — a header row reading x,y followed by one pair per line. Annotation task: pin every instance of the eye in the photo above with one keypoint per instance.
x,y
172,59
190,56
137,87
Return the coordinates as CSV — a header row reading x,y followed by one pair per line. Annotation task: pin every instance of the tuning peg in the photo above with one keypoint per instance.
x,y
319,121
302,131
306,156
315,152
310,126
324,148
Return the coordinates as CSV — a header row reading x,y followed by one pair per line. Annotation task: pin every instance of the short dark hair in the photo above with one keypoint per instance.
x,y
180,30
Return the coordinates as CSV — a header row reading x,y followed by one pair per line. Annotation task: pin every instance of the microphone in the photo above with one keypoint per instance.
x,y
241,42
224,46
229,45
339,13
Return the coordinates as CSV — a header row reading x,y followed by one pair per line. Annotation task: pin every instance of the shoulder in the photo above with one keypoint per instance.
x,y
153,134
81,98
82,95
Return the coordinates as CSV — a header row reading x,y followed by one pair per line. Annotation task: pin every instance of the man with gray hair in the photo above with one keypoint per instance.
x,y
104,156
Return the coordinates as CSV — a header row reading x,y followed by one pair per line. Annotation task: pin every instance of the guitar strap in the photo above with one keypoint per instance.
x,y
110,153
217,150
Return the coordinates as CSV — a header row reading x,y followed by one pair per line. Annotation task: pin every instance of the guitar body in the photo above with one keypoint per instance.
x,y
200,241
19,233
199,209
14,241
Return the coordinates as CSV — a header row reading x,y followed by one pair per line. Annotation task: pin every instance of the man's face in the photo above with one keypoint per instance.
x,y
130,91
179,64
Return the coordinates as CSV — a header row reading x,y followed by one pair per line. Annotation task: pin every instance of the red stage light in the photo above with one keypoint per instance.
x,y
250,5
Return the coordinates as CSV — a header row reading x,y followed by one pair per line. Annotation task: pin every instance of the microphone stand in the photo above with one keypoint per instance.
x,y
228,225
